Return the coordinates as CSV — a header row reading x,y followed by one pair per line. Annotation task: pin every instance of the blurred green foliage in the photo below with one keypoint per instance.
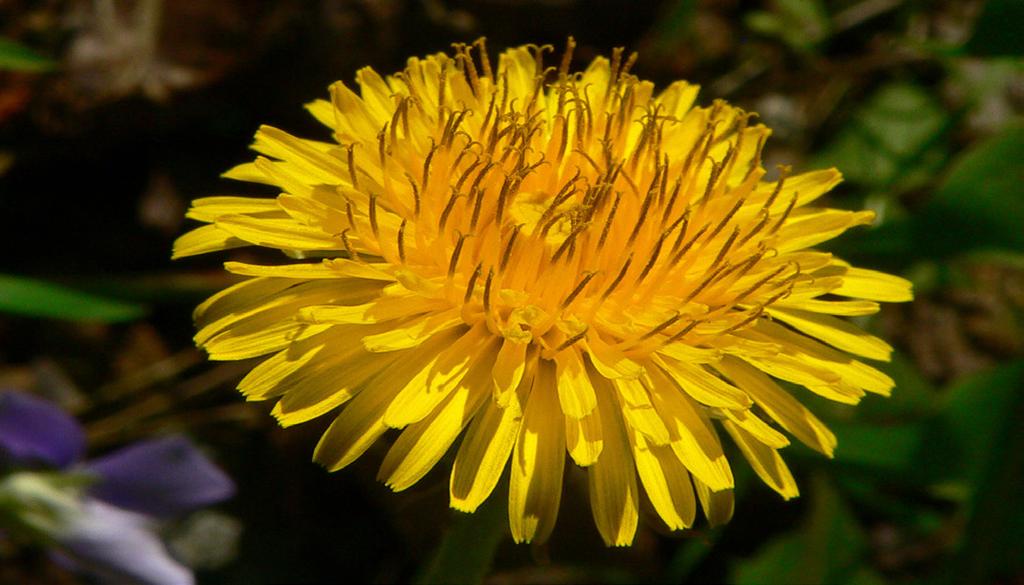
x,y
36,298
17,57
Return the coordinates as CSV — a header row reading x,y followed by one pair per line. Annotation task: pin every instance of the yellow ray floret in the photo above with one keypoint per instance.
x,y
562,268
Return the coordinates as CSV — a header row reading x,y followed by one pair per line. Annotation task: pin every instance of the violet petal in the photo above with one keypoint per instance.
x,y
33,430
161,477
119,546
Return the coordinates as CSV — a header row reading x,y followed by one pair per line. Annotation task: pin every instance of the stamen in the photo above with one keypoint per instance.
x,y
629,64
662,326
507,252
563,69
442,83
447,210
618,278
465,174
682,332
348,248
689,243
506,188
487,290
644,208
455,255
650,263
415,193
471,285
784,216
725,247
608,221
574,339
783,174
477,205
754,316
401,241
373,217
382,149
426,165
728,216
352,166
350,215
757,227
485,61
576,291
704,284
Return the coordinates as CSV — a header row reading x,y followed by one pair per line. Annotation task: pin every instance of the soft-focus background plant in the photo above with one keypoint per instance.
x,y
113,114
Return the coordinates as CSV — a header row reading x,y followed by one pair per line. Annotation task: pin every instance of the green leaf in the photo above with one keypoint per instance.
x,y
913,396
986,412
801,24
891,138
881,448
981,203
997,32
468,547
976,411
828,549
35,298
16,57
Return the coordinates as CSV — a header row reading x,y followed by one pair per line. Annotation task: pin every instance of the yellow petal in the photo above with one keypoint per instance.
x,y
313,161
380,310
638,410
237,298
422,444
701,385
806,187
361,422
208,209
778,404
876,286
269,333
845,308
323,111
693,439
611,480
575,391
508,370
583,438
756,427
278,233
814,227
482,455
208,238
247,172
304,270
412,332
849,370
835,332
666,482
718,505
538,462
263,381
766,461
610,362
319,388
463,351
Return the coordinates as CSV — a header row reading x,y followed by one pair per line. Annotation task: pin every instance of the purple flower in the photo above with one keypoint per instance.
x,y
111,530
35,431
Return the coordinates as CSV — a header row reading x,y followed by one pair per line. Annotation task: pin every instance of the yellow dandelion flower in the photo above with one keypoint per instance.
x,y
545,263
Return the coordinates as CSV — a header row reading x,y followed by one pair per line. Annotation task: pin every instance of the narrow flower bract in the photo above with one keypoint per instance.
x,y
551,265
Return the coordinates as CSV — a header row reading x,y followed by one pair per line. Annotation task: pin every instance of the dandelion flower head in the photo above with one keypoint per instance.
x,y
554,266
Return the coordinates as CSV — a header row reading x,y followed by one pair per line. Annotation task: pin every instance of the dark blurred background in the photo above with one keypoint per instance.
x,y
113,115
